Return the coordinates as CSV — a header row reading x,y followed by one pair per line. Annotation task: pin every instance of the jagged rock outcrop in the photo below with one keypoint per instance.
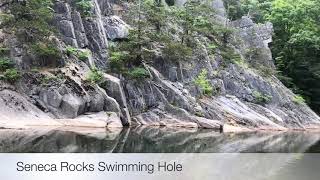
x,y
169,97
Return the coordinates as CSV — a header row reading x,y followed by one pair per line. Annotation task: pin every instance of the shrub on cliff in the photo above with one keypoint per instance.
x,y
261,98
6,63
82,55
31,19
11,75
85,7
31,22
46,51
298,99
138,73
203,83
95,76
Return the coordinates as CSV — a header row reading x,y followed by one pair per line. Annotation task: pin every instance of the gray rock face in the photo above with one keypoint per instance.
x,y
79,30
72,106
52,97
170,96
114,89
116,28
255,40
63,21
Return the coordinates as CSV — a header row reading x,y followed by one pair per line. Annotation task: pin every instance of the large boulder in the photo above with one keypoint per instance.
x,y
116,28
72,106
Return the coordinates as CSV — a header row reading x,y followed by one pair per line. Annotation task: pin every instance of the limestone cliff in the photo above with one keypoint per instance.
x,y
168,98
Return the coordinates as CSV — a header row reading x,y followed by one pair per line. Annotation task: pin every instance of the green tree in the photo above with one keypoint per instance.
x,y
296,46
31,19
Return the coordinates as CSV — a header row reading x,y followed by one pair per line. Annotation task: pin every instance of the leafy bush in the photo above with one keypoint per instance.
x,y
118,60
267,71
71,51
82,55
4,51
46,51
95,76
203,83
212,48
139,73
85,7
261,98
11,75
31,19
46,79
230,56
298,99
5,63
177,51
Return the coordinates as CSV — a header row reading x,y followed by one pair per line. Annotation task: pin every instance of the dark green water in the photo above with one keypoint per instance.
x,y
156,140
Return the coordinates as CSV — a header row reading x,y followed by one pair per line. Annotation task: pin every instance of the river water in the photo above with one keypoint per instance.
x,y
154,140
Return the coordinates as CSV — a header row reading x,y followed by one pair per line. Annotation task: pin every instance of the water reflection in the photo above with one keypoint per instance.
x,y
156,140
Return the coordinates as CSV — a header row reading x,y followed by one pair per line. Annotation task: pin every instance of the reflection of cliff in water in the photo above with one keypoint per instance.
x,y
158,140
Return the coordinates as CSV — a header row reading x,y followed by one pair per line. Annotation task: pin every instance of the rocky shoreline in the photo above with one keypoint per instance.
x,y
245,98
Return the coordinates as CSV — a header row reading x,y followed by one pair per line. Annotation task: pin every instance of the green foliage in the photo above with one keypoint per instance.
x,y
46,51
95,76
82,55
230,55
256,9
5,63
177,51
267,71
296,46
31,19
71,51
138,73
154,31
4,51
296,40
11,75
298,99
31,22
197,17
118,60
261,98
85,7
234,9
212,48
203,83
46,79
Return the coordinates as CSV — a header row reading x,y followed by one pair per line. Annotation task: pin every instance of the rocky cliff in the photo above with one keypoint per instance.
x,y
247,96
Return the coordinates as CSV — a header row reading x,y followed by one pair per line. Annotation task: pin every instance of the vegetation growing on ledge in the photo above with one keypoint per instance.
x,y
167,31
5,63
138,73
85,7
95,76
298,99
31,21
46,51
296,42
203,83
82,55
11,75
7,70
261,98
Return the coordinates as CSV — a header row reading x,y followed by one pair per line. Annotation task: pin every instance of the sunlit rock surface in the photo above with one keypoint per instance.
x,y
168,98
